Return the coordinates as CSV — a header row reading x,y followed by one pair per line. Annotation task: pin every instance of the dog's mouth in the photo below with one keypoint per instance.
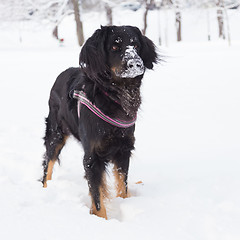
x,y
131,65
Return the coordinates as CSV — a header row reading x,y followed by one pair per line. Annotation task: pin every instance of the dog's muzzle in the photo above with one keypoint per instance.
x,y
133,64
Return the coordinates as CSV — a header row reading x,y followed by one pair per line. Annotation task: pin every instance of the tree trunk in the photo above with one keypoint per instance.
x,y
220,18
178,22
55,32
109,14
145,19
79,24
148,3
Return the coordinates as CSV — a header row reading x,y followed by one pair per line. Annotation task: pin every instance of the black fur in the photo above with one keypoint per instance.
x,y
116,97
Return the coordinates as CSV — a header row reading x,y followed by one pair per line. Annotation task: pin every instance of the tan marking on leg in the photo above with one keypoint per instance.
x,y
45,184
102,212
104,194
53,161
49,172
120,183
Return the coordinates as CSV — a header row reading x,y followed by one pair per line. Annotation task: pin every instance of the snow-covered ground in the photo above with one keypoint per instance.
x,y
187,149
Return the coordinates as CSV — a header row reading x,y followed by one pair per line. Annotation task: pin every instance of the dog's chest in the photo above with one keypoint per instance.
x,y
109,143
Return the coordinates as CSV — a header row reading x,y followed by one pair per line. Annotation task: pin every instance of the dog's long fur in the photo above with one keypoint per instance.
x,y
99,76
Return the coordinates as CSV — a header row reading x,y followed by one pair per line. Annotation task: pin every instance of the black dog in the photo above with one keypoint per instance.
x,y
97,103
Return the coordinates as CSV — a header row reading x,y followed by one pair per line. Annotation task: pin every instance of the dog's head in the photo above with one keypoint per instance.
x,y
117,52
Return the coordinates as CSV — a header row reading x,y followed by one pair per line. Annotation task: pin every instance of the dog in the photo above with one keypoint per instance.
x,y
97,103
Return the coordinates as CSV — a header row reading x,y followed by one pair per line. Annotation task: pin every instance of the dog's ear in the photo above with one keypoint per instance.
x,y
93,57
148,52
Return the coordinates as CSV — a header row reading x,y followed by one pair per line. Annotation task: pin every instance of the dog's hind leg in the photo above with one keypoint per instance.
x,y
55,140
95,175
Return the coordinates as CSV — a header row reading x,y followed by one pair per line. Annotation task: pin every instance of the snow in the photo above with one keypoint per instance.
x,y
118,40
134,63
187,146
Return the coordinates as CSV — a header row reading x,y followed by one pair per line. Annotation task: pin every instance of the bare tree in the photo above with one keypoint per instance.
x,y
220,18
175,4
58,10
108,9
79,25
178,20
148,5
55,32
50,11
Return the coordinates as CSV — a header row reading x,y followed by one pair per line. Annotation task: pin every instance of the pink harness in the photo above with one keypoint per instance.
x,y
82,99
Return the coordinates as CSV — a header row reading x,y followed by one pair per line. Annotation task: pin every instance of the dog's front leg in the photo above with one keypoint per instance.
x,y
95,175
120,170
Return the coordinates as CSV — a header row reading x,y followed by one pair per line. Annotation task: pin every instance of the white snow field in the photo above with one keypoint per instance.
x,y
187,147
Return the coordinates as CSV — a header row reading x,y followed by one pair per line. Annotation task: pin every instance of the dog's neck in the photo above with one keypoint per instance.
x,y
130,101
123,92
128,95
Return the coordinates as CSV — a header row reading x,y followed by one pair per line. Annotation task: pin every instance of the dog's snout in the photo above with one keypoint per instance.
x,y
134,64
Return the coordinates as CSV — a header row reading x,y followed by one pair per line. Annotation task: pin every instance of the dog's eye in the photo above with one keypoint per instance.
x,y
115,48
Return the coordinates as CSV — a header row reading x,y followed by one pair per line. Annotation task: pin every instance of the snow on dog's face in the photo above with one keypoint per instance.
x,y
132,64
124,53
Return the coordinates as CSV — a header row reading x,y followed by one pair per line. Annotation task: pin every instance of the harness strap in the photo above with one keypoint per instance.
x,y
82,99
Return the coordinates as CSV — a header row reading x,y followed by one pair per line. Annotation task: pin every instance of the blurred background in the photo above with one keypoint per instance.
x,y
166,21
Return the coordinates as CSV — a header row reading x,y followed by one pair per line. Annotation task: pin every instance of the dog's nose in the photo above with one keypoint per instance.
x,y
135,64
